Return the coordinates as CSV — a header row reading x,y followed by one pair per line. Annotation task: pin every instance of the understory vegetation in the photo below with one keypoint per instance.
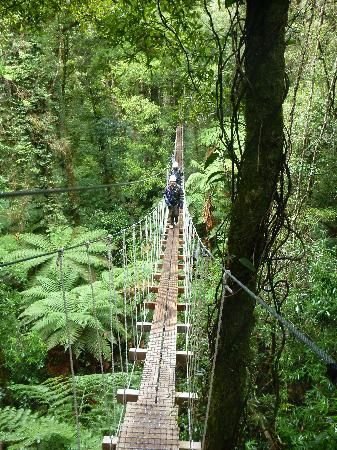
x,y
91,93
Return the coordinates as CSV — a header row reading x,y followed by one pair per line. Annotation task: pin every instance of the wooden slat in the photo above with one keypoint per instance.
x,y
127,395
183,397
139,354
182,355
131,396
187,445
153,289
109,443
183,327
146,327
150,305
180,306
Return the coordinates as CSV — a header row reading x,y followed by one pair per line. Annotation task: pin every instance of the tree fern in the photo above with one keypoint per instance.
x,y
50,284
88,327
204,185
77,259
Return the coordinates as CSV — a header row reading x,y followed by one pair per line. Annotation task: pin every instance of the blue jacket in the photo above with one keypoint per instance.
x,y
173,196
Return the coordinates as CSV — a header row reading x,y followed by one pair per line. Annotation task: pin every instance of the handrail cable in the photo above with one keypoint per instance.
x,y
61,190
289,325
82,244
145,294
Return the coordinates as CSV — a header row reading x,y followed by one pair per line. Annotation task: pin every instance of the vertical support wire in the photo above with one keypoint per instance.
x,y
151,246
136,278
94,306
147,255
110,287
155,240
99,331
113,303
113,316
128,282
188,319
125,303
195,329
73,379
143,274
159,237
186,247
210,391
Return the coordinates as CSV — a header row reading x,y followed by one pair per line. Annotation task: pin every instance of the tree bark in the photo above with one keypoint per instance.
x,y
261,165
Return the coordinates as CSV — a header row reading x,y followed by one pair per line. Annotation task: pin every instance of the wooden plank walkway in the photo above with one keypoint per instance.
x,y
151,416
151,422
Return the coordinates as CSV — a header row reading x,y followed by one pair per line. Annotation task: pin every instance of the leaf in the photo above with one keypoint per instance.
x,y
217,180
216,175
212,157
248,264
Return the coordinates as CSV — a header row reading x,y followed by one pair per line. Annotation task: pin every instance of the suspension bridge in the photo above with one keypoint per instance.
x,y
151,415
163,277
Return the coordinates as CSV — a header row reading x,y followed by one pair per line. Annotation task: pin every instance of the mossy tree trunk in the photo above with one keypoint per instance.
x,y
261,167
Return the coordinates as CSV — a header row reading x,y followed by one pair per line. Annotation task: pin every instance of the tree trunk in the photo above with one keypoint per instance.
x,y
65,145
261,166
104,151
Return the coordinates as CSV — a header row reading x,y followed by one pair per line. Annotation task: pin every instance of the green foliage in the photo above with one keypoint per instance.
x,y
23,429
99,412
206,184
307,415
114,220
91,310
24,355
90,94
76,259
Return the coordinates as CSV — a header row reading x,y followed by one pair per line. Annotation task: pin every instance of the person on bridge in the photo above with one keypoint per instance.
x,y
173,196
177,172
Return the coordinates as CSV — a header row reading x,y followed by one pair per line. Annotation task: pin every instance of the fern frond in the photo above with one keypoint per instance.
x,y
76,258
89,236
48,284
22,429
27,253
81,257
38,241
34,293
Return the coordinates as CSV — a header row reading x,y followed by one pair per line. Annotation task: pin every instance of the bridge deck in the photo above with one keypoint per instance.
x,y
151,422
